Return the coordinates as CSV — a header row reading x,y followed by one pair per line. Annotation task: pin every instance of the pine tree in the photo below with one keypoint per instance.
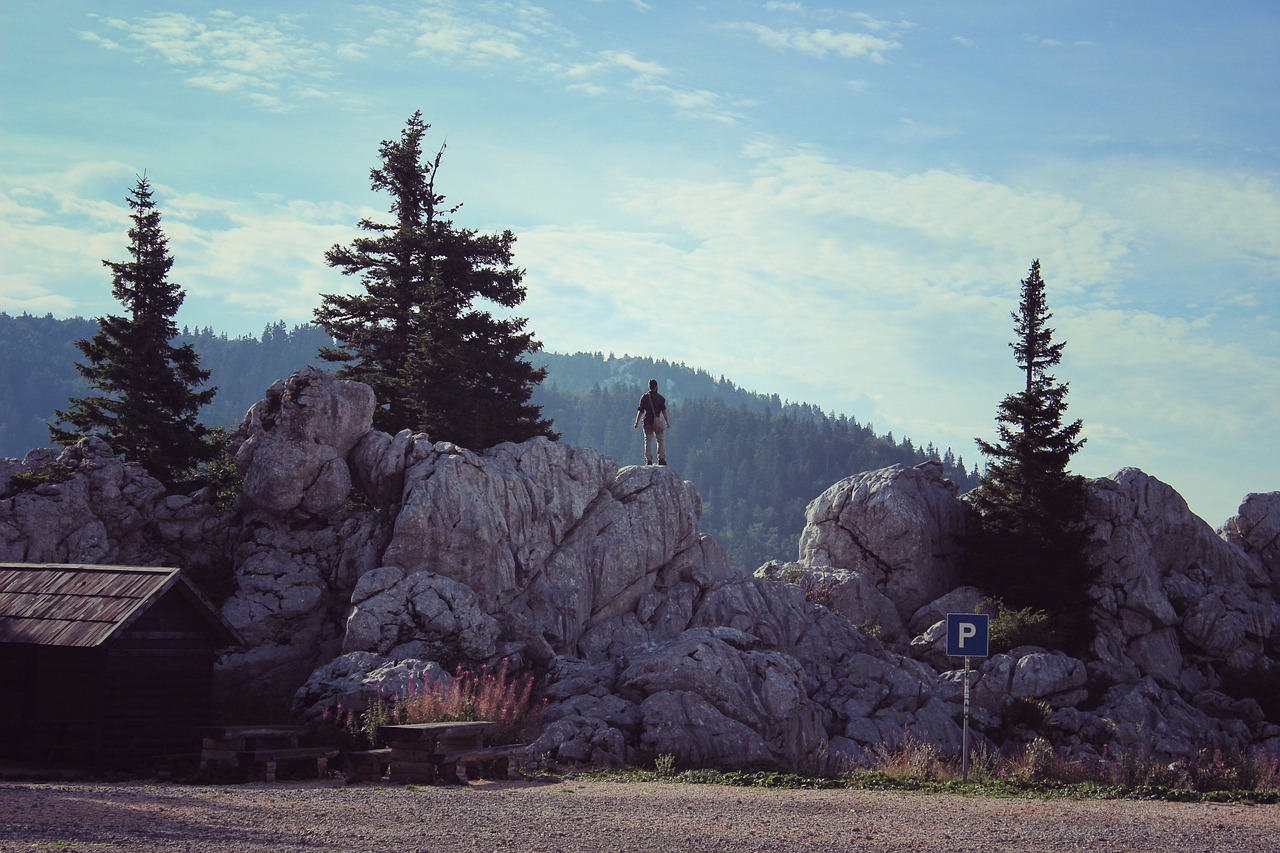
x,y
436,361
1029,548
148,403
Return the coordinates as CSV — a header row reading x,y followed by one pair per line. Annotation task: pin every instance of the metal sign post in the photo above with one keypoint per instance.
x,y
967,635
964,755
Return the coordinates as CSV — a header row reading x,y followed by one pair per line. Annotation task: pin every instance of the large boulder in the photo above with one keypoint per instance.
x,y
1174,601
292,446
421,615
896,531
1255,530
293,597
570,553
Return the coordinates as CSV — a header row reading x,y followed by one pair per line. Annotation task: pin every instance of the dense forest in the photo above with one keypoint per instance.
x,y
756,460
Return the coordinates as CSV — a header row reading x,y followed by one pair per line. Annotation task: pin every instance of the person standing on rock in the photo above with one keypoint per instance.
x,y
653,408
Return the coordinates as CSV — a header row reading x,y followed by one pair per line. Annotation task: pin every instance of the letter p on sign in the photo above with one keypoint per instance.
x,y
968,634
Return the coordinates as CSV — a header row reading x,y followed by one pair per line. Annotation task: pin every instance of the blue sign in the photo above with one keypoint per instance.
x,y
968,634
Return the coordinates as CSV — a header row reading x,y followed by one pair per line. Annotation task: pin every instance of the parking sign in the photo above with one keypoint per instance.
x,y
968,634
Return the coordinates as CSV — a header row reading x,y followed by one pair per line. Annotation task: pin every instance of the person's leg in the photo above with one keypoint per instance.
x,y
648,442
662,446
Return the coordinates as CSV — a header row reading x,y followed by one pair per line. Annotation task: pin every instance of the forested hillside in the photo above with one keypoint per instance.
x,y
38,357
755,459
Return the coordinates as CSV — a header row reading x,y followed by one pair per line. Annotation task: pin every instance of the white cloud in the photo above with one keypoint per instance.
x,y
273,64
99,40
473,41
887,296
822,263
265,257
267,61
613,70
821,42
53,239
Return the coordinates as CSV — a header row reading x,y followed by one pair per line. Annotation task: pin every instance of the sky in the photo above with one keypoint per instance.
x,y
835,203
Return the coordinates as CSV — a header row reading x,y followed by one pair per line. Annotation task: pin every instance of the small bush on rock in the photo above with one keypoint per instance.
x,y
45,473
1011,628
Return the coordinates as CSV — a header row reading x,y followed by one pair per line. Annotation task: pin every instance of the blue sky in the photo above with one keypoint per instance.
x,y
834,203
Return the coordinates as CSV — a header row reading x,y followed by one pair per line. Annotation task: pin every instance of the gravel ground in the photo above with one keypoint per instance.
x,y
601,816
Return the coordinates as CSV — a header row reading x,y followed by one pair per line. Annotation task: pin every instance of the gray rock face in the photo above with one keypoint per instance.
x,y
97,514
399,615
357,680
1170,584
577,556
895,533
1255,529
292,446
293,597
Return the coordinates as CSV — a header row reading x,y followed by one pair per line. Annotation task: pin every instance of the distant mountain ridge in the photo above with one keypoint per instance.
x,y
755,459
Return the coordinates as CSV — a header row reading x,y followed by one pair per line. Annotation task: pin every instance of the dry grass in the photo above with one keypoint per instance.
x,y
1039,763
474,694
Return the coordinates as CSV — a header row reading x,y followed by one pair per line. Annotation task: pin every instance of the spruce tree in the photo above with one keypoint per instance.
x,y
418,334
1029,548
148,403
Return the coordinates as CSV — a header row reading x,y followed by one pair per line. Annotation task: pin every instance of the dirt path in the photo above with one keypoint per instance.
x,y
602,816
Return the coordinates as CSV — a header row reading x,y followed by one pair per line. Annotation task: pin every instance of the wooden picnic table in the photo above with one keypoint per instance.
x,y
430,752
259,748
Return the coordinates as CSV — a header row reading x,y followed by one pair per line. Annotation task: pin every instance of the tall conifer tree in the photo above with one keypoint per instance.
x,y
437,362
148,403
1030,546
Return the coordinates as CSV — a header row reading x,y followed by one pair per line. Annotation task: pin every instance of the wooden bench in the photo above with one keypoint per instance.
x,y
263,761
488,762
369,765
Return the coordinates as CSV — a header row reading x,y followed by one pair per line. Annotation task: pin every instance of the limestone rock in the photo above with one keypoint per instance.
x,y
356,680
898,529
1255,529
293,597
292,446
420,615
963,599
1169,586
97,509
378,462
651,643
561,546
854,595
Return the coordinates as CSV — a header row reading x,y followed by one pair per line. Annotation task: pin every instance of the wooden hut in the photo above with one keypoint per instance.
x,y
107,666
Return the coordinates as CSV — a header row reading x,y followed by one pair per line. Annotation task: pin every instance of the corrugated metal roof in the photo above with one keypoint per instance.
x,y
83,606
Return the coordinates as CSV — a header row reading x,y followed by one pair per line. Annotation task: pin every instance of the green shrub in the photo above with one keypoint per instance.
x,y
818,589
1027,712
42,474
1011,628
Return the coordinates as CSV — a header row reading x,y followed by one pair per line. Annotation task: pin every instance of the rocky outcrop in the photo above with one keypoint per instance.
x,y
86,505
365,562
1255,530
91,508
555,557
883,544
1182,615
292,447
